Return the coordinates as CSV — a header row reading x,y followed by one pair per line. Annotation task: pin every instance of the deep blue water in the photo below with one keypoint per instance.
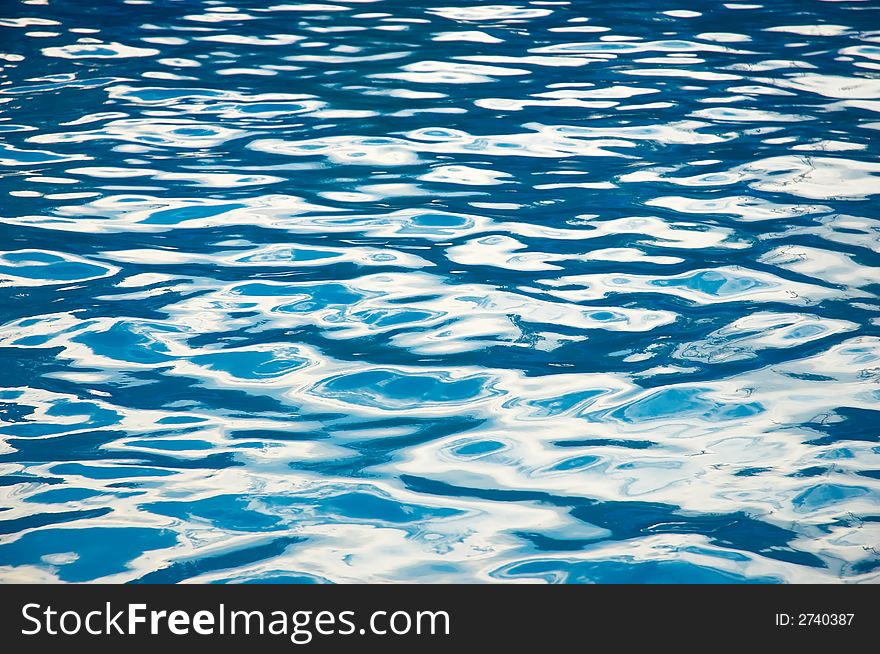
x,y
373,291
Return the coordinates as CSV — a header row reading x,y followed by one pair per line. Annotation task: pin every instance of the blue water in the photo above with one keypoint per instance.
x,y
371,291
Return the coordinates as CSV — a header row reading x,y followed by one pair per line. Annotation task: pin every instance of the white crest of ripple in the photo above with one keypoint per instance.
x,y
702,286
855,361
701,75
680,132
308,7
27,22
744,337
209,180
507,104
12,156
630,47
501,251
543,142
44,267
470,36
465,175
121,213
489,13
218,17
504,252
225,103
453,72
824,145
811,30
829,86
824,265
146,131
22,332
737,115
528,60
723,37
744,207
813,177
769,64
849,229
98,51
268,40
287,256
615,91
867,51
357,150
681,13
816,178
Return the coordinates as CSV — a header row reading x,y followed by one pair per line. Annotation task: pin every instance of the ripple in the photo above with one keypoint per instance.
x,y
366,292
745,337
832,86
38,267
490,13
174,133
815,178
742,206
811,30
396,390
707,286
98,50
12,156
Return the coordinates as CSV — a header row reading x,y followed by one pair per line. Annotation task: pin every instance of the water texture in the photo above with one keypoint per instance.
x,y
369,291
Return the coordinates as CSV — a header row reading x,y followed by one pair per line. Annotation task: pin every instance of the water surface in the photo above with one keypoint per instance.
x,y
373,291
